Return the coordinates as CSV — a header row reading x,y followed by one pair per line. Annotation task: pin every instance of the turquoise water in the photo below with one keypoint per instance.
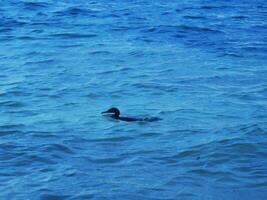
x,y
199,65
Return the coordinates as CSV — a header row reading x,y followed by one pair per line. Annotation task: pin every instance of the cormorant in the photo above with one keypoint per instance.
x,y
115,114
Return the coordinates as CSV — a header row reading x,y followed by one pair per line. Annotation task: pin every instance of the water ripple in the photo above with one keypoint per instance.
x,y
198,65
73,35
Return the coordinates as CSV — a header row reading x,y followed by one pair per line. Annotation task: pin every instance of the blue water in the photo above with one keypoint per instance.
x,y
200,65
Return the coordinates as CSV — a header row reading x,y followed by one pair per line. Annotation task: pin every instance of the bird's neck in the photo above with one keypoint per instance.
x,y
115,116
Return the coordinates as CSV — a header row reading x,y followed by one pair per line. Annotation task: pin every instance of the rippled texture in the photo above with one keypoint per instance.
x,y
199,65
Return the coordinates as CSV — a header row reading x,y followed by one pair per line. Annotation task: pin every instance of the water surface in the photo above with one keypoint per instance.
x,y
199,65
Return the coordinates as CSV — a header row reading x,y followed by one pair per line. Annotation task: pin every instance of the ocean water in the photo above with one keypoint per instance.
x,y
200,65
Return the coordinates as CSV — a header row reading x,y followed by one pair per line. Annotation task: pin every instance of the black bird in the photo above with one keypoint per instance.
x,y
115,114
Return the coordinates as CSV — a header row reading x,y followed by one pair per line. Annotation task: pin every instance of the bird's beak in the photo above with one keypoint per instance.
x,y
105,112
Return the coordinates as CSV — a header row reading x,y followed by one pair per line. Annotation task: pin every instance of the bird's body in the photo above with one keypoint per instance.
x,y
128,119
115,114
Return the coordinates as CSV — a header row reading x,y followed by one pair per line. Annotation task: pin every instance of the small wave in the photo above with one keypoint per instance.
x,y
9,132
48,61
42,134
210,173
243,147
198,29
29,38
181,28
227,179
123,28
239,17
3,30
30,159
57,148
54,197
16,93
100,53
182,110
210,7
35,158
12,126
69,45
112,139
10,22
95,95
143,152
77,11
72,35
35,5
186,153
107,160
123,69
235,55
262,184
150,134
193,17
152,86
12,104
83,196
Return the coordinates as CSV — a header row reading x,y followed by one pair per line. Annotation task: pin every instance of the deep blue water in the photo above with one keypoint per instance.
x,y
200,65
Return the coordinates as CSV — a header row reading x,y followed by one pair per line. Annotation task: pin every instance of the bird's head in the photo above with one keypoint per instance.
x,y
113,111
